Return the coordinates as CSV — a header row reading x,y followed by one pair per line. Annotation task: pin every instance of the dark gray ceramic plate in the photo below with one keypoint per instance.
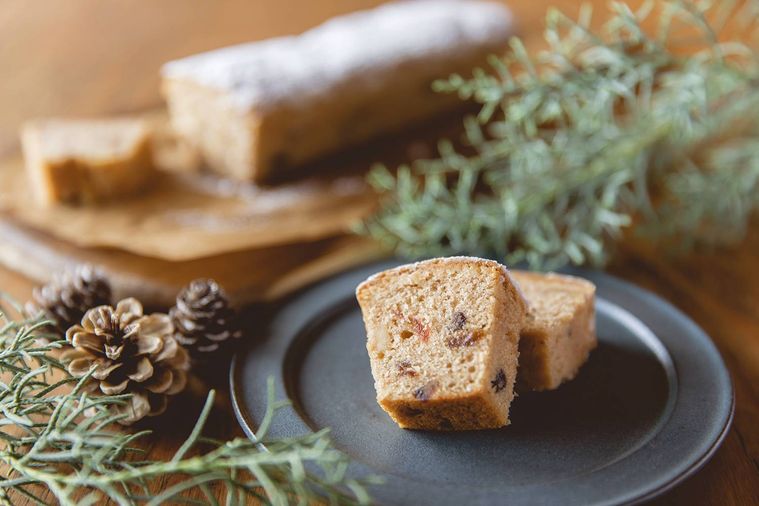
x,y
649,408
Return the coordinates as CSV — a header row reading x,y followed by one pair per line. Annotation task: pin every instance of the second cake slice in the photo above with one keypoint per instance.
x,y
560,330
443,342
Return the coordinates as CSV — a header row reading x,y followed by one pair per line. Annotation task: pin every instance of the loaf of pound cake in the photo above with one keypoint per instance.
x,y
560,329
86,161
256,109
443,337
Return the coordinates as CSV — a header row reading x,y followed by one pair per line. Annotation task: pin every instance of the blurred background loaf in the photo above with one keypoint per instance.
x,y
261,107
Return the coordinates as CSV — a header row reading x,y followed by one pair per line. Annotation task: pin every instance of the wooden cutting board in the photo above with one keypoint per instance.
x,y
248,276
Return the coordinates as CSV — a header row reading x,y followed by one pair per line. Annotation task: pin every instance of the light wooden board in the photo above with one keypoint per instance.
x,y
248,276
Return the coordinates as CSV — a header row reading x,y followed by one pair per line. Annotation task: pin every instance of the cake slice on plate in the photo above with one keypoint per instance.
x,y
560,329
443,339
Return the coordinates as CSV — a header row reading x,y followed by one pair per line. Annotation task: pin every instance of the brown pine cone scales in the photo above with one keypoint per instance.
x,y
131,353
69,295
203,319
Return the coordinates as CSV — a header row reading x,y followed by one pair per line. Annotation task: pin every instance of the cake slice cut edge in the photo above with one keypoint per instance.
x,y
87,160
560,329
442,337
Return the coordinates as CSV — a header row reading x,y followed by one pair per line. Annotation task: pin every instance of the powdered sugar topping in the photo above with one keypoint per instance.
x,y
354,47
506,275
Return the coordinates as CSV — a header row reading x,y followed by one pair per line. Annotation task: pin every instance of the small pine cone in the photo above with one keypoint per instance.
x,y
69,295
203,319
131,353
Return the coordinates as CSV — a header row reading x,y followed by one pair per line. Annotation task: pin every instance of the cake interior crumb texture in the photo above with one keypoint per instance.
x,y
560,329
86,160
442,337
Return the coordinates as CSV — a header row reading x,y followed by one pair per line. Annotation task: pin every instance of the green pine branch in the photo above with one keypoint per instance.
x,y
46,441
603,131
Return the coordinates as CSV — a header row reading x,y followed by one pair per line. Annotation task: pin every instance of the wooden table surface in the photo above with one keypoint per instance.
x,y
84,57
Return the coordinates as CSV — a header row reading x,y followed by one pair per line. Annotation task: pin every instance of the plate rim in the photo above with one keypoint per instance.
x,y
245,420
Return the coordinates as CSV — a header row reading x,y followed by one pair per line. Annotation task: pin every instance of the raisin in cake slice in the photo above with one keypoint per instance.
x,y
443,339
560,330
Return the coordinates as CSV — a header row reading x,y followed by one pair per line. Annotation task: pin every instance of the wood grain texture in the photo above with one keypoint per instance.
x,y
85,57
248,277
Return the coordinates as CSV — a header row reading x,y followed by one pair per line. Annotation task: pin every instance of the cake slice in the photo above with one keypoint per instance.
x,y
442,337
560,330
85,161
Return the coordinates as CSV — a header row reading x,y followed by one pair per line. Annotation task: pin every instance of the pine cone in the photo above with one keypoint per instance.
x,y
132,353
69,295
203,319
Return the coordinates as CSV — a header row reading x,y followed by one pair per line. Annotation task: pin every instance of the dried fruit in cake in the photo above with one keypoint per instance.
x,y
560,330
442,337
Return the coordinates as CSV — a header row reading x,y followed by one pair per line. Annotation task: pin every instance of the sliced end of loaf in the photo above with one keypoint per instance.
x,y
228,139
442,336
85,161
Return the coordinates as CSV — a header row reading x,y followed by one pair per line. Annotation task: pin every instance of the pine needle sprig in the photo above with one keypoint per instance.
x,y
605,130
46,442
